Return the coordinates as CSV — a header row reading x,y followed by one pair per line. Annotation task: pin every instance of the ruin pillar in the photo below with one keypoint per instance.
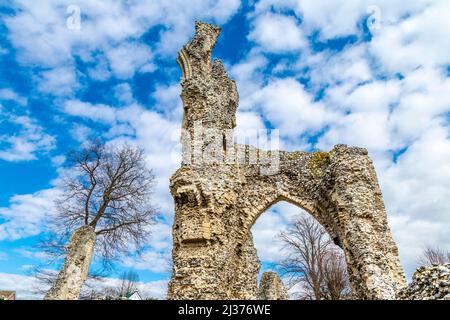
x,y
364,234
271,287
210,258
245,274
76,266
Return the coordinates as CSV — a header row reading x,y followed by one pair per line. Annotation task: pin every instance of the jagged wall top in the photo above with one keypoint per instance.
x,y
209,96
195,57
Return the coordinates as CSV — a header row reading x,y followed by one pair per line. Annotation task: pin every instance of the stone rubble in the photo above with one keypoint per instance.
x,y
429,283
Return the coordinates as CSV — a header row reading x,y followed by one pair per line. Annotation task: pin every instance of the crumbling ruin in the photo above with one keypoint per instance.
x,y
271,287
429,283
76,266
222,188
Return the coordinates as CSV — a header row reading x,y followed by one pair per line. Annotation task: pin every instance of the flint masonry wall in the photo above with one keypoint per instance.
x,y
222,188
429,283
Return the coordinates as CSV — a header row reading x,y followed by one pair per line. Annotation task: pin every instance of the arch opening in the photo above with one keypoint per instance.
x,y
269,233
279,200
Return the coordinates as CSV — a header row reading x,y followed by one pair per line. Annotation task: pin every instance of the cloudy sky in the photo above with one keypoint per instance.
x,y
374,74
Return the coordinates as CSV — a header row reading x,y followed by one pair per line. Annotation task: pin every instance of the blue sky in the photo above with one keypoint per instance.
x,y
367,73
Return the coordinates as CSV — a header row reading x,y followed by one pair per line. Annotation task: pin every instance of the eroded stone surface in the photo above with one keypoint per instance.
x,y
429,283
76,266
222,188
271,287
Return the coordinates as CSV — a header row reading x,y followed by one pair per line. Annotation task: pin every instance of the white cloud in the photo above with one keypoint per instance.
x,y
100,70
25,137
416,193
127,59
25,286
157,135
58,160
124,93
370,128
32,254
424,102
168,101
249,78
348,67
331,18
248,126
372,96
97,112
178,17
9,95
153,261
28,140
107,38
58,81
420,40
366,111
334,19
266,229
287,105
160,139
277,33
80,133
27,214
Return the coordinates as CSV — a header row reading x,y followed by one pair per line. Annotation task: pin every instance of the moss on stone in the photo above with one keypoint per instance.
x,y
293,155
317,162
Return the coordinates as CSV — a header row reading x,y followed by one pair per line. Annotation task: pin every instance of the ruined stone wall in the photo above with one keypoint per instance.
x,y
271,287
76,266
429,283
222,188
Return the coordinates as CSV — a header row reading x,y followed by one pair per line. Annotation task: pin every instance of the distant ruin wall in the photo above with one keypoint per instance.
x,y
271,287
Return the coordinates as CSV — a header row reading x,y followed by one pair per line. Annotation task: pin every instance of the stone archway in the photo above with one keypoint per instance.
x,y
222,188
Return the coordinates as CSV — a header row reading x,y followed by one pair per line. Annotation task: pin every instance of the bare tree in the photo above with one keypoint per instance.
x,y
109,190
434,255
336,284
129,283
313,263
